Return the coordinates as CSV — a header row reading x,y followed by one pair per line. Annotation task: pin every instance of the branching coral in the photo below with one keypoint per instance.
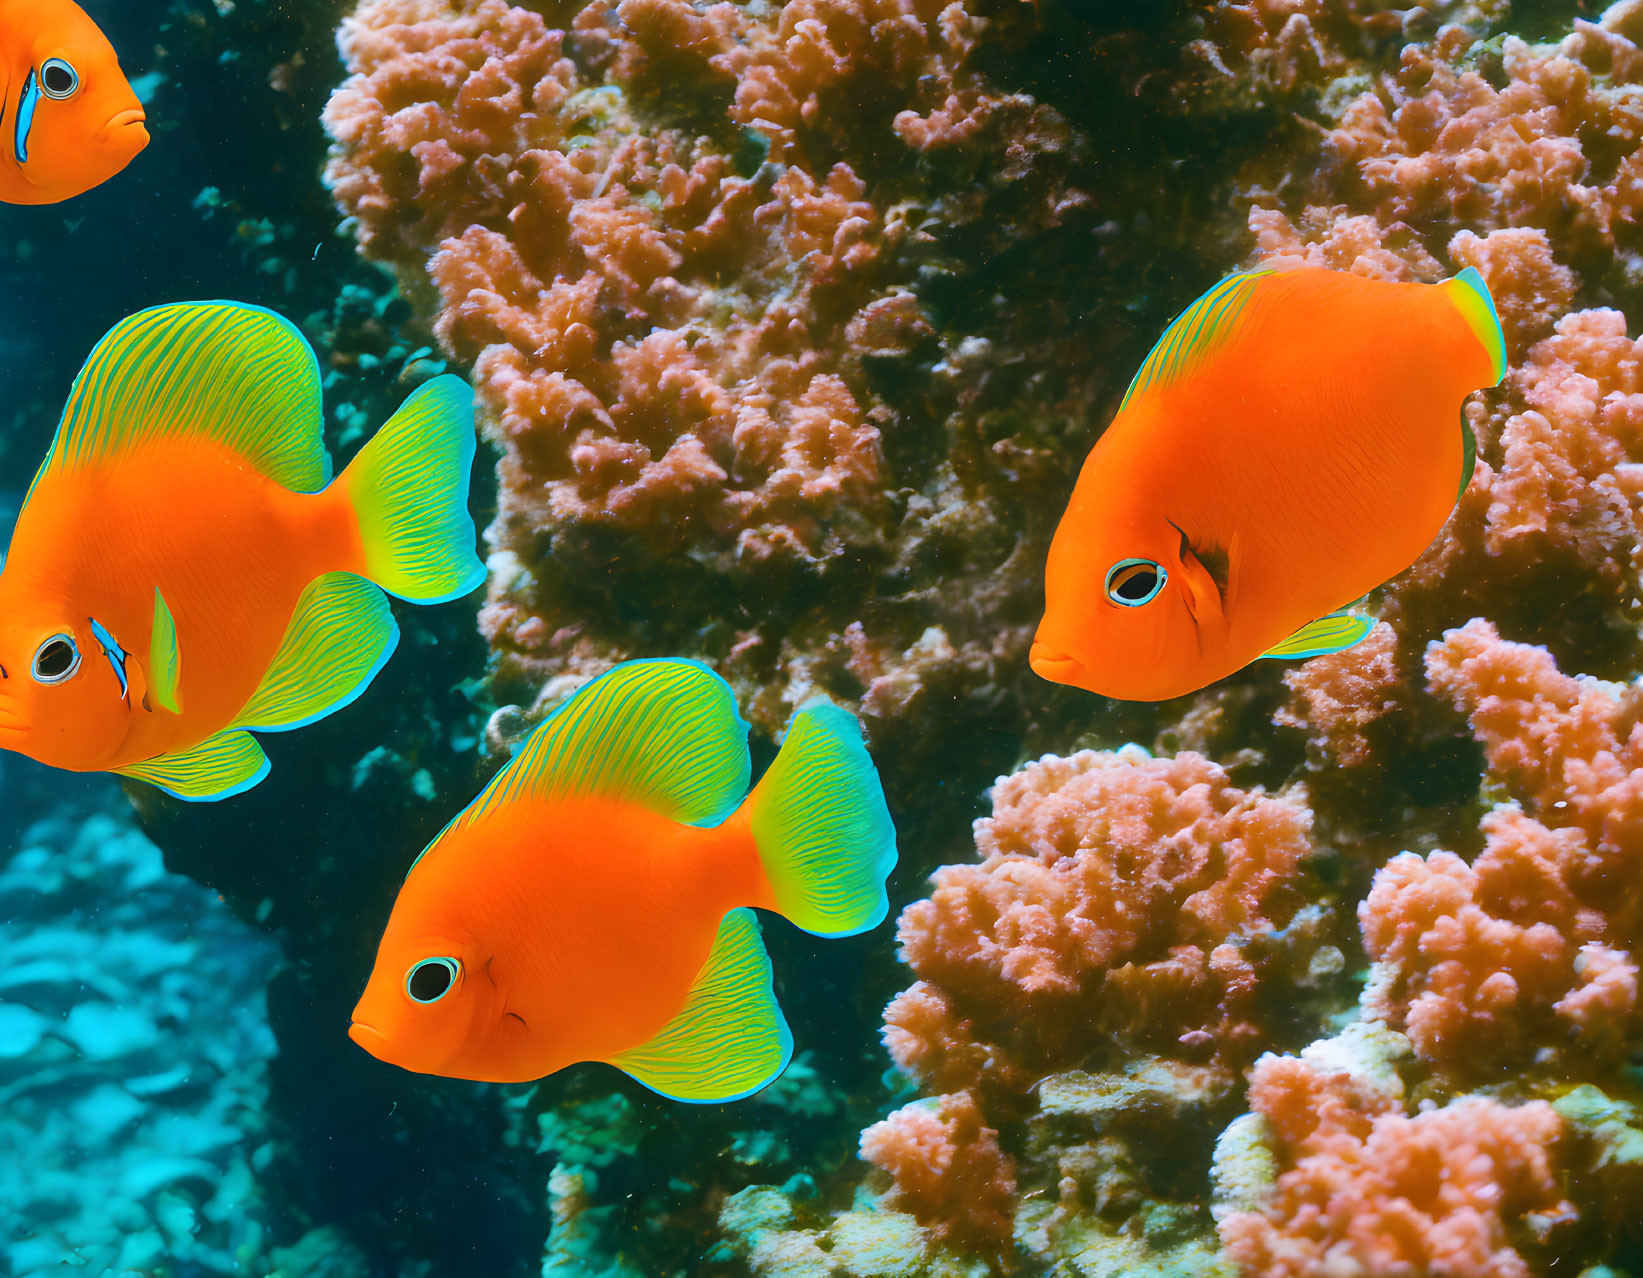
x,y
1116,893
947,1167
1121,903
1338,698
1533,945
1366,1191
678,247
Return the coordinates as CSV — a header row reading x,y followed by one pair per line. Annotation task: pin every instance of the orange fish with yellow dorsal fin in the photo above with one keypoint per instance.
x,y
182,573
593,903
1293,441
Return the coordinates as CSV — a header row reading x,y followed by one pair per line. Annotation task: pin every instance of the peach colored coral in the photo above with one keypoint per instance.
x,y
947,1168
1570,749
680,249
575,262
1338,697
1531,946
1367,1191
1115,894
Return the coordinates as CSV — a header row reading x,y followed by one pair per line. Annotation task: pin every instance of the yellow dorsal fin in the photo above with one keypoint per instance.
x,y
239,375
1200,330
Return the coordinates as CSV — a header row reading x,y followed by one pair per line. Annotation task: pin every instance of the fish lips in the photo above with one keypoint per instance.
x,y
1055,666
128,129
11,719
371,1040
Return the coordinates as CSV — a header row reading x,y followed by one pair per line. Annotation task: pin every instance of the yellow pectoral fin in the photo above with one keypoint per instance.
x,y
1334,633
340,635
165,662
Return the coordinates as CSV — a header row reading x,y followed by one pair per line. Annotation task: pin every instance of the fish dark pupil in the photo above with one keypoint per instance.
x,y
55,659
57,79
1138,585
429,981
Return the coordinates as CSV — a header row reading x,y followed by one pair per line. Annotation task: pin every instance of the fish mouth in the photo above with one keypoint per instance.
x,y
371,1040
1055,666
12,720
127,127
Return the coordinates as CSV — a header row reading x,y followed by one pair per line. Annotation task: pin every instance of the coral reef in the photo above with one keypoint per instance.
x,y
1520,160
1096,977
791,323
757,300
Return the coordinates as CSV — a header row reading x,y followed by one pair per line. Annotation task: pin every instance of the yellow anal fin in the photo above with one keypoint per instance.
x,y
731,1039
1337,631
227,764
341,634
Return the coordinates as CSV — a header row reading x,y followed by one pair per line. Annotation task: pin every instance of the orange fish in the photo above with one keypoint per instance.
x,y
593,903
181,571
1293,441
68,118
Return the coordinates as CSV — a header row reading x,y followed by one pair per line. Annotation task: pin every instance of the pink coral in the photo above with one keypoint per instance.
x,y
1367,1191
1339,697
1570,749
676,244
1115,893
947,1168
1533,944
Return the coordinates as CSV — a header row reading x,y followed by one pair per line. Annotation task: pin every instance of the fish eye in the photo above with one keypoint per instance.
x,y
58,79
1133,582
56,659
432,979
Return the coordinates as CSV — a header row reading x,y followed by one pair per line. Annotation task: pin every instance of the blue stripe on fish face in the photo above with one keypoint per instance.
x,y
25,117
111,649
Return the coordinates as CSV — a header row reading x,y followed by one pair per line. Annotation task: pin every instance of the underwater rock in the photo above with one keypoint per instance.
x,y
134,1049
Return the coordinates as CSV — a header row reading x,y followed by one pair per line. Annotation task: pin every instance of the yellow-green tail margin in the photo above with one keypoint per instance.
x,y
822,828
409,488
1471,297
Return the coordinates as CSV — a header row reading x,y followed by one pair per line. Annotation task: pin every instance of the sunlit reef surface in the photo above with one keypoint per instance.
x,y
790,325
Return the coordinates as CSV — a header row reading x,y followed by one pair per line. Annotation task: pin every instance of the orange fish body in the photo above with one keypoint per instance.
x,y
180,573
1294,441
69,119
592,905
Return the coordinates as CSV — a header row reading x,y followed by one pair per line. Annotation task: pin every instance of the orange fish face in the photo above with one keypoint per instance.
x,y
431,1006
1127,608
62,701
73,120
